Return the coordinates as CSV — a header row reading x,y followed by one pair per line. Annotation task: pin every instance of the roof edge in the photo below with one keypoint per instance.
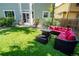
x,y
60,5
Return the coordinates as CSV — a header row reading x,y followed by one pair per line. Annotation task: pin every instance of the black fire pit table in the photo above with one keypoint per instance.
x,y
43,38
46,32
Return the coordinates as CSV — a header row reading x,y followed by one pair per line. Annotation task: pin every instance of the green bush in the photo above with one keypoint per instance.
x,y
36,22
56,22
2,21
46,22
7,21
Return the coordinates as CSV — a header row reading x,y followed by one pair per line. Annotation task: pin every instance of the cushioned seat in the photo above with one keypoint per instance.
x,y
65,46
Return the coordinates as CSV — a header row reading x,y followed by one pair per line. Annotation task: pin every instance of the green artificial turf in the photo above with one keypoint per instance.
x,y
21,42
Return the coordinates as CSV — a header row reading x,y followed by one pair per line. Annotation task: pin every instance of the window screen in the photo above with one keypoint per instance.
x,y
9,13
46,14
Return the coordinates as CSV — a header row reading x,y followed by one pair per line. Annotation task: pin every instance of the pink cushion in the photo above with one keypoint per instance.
x,y
65,33
62,36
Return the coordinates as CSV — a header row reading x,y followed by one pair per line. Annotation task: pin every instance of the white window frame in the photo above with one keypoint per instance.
x,y
9,10
43,14
25,11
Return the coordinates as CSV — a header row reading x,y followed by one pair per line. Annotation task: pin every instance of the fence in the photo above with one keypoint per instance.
x,y
74,23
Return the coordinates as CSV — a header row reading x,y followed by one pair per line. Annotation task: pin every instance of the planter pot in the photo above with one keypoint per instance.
x,y
67,47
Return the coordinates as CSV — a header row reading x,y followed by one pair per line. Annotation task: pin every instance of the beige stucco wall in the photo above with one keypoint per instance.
x,y
59,16
72,15
67,7
62,8
74,7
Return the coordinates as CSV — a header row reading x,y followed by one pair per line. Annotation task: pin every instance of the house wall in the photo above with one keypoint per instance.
x,y
10,6
25,7
72,15
64,16
60,9
58,16
38,9
74,10
74,7
67,7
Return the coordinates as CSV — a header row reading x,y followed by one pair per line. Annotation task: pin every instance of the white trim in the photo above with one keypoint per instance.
x,y
43,14
25,10
31,19
20,11
22,16
9,10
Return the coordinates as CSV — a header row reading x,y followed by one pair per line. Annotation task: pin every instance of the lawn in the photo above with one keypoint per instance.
x,y
21,42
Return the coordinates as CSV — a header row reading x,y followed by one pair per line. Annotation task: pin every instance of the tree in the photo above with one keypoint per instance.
x,y
51,9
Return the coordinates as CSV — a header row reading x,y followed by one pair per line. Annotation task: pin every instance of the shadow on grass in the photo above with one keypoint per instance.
x,y
16,29
33,49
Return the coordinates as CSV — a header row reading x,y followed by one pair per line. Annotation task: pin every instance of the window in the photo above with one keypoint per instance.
x,y
9,13
45,14
77,4
25,17
32,14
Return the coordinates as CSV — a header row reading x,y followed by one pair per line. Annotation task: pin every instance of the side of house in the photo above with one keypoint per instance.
x,y
41,10
67,11
25,12
60,11
10,9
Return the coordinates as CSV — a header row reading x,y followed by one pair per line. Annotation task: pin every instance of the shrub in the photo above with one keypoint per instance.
x,y
56,22
2,21
36,22
7,21
46,22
